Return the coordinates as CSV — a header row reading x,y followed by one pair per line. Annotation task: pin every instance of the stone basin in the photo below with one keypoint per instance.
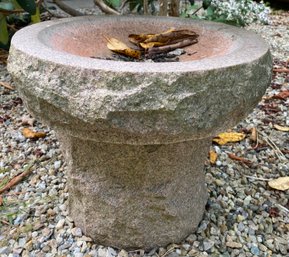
x,y
135,135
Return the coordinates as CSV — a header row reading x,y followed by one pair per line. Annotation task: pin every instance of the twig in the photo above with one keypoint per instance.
x,y
281,70
145,7
6,85
167,48
239,159
14,181
256,178
64,7
168,251
5,222
196,10
274,147
105,8
282,208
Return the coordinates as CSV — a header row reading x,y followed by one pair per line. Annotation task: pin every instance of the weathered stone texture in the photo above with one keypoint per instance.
x,y
135,135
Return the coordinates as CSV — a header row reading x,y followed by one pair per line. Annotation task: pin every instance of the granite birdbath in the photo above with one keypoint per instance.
x,y
135,135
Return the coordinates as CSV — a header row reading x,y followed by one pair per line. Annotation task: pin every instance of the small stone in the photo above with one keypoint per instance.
x,y
208,244
4,250
255,250
233,245
51,212
219,182
101,252
57,165
247,200
76,232
29,245
122,253
22,242
78,255
60,224
191,238
111,252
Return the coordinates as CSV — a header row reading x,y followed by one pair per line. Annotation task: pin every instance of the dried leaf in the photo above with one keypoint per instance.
x,y
168,37
281,128
1,200
14,181
274,212
282,95
228,137
280,183
172,36
239,159
140,38
254,135
213,157
150,45
117,46
136,39
28,133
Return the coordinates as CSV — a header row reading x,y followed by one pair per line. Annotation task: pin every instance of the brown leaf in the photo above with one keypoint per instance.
x,y
281,128
228,137
117,46
274,212
280,183
28,133
172,36
282,95
140,38
213,157
239,159
1,200
168,37
14,181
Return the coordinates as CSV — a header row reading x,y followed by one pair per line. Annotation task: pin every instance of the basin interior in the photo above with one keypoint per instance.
x,y
87,37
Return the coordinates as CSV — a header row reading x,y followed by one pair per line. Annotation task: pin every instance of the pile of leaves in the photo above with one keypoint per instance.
x,y
148,46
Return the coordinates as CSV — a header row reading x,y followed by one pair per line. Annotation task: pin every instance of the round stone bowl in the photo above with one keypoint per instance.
x,y
135,135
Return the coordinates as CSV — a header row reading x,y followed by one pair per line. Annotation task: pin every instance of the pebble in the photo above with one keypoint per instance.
x,y
232,244
60,224
76,232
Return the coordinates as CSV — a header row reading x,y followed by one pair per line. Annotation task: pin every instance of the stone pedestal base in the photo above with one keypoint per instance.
x,y
131,196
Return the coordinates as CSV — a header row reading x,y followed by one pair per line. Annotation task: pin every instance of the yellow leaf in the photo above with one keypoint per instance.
x,y
213,157
279,183
139,38
117,46
281,128
28,133
228,137
151,44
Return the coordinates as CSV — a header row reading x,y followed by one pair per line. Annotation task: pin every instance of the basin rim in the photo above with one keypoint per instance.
x,y
247,45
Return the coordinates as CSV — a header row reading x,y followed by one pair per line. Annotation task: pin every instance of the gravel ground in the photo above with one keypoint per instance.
x,y
244,217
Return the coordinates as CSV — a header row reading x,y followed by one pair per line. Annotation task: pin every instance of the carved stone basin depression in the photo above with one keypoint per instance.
x,y
135,135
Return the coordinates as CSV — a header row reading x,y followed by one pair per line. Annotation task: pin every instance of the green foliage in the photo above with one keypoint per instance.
x,y
4,35
113,3
237,12
28,5
10,14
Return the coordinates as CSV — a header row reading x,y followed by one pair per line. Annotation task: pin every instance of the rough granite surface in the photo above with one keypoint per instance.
x,y
136,140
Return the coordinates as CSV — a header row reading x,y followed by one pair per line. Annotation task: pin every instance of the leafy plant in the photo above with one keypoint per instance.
x,y
13,12
235,12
